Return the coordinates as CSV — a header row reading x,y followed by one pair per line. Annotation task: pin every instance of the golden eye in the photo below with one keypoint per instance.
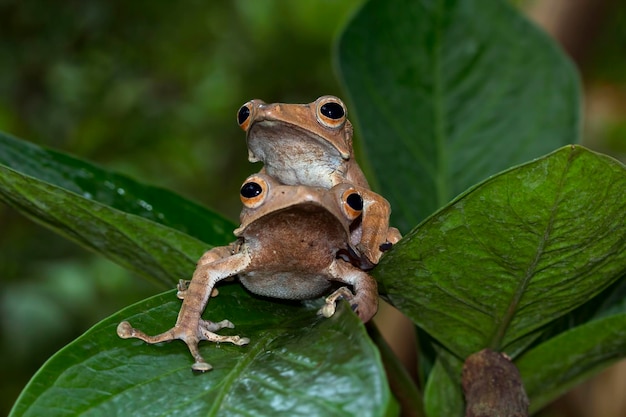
x,y
243,115
331,112
352,204
253,192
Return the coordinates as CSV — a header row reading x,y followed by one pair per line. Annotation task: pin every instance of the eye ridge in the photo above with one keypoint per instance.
x,y
243,114
332,110
355,201
251,189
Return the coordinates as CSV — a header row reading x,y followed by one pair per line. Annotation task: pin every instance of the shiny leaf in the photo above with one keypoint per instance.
x,y
117,191
443,396
514,253
558,364
149,248
297,364
448,92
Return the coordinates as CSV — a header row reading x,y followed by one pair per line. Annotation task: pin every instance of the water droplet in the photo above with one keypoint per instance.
x,y
145,205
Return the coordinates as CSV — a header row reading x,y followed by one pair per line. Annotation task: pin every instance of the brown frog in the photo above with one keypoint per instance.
x,y
294,241
311,144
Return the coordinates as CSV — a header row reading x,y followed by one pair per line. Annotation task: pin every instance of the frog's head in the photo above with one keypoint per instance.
x,y
265,200
320,128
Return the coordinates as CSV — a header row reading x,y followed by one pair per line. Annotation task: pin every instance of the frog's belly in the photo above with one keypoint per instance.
x,y
286,285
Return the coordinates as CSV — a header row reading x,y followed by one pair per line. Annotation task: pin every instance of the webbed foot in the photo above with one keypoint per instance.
x,y
192,337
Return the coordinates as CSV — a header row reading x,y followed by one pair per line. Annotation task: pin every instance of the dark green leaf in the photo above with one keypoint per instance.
x,y
443,396
610,301
614,301
449,92
509,256
555,366
114,190
151,249
297,364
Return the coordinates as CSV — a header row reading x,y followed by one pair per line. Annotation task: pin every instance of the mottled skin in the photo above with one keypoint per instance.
x,y
311,144
293,242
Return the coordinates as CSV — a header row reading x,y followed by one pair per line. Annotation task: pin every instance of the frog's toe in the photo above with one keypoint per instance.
x,y
201,366
330,305
211,326
181,287
213,337
327,310
191,335
125,330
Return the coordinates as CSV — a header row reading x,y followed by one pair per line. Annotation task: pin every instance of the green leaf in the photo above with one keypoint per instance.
x,y
151,249
448,92
443,396
614,301
297,364
555,366
514,253
610,301
117,191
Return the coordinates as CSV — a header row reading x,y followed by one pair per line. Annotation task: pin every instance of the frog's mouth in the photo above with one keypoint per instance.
x,y
297,210
268,139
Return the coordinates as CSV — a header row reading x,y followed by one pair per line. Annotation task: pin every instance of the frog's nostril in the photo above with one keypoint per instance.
x,y
243,114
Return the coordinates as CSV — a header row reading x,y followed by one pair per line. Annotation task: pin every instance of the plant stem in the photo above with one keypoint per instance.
x,y
402,385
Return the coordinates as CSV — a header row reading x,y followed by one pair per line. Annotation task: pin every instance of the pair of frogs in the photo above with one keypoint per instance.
x,y
309,218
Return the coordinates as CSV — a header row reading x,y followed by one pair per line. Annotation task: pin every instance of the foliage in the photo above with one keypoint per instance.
x,y
288,365
148,89
448,95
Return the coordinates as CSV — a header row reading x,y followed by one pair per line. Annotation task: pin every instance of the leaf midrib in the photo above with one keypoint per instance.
x,y
500,331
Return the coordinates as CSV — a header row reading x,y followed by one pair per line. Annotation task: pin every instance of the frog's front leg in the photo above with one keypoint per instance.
x,y
189,326
209,256
375,236
364,300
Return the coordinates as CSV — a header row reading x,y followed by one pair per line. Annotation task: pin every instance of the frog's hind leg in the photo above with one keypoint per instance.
x,y
190,327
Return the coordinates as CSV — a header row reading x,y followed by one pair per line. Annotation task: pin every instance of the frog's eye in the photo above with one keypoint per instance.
x,y
253,192
331,112
243,116
352,204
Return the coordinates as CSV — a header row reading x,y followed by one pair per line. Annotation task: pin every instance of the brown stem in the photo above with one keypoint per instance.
x,y
492,386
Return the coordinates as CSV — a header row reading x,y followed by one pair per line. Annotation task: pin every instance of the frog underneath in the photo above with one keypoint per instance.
x,y
293,242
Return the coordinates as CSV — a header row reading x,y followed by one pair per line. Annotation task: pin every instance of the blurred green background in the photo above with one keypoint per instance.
x,y
151,89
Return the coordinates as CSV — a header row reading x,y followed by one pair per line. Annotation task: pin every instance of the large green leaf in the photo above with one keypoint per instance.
x,y
151,249
514,253
297,364
556,365
117,191
448,92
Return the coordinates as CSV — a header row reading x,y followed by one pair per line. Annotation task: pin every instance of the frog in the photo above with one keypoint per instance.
x,y
312,144
293,243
